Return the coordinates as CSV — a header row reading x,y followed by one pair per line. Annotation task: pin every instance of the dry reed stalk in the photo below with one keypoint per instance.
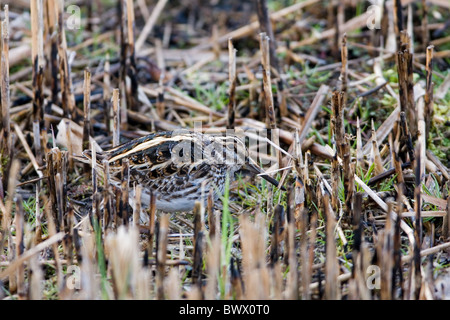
x,y
50,26
357,229
337,108
254,270
108,206
6,221
292,284
359,151
198,245
107,95
173,285
116,117
53,233
87,250
36,281
267,85
376,158
428,113
406,85
304,256
444,170
425,35
266,27
123,256
268,97
406,137
331,266
335,178
37,57
233,80
178,97
213,261
5,128
67,96
344,59
348,171
94,168
124,206
137,205
19,217
27,148
421,139
150,23
276,238
151,224
132,98
398,21
86,108
253,27
211,214
417,223
161,249
38,230
354,23
11,269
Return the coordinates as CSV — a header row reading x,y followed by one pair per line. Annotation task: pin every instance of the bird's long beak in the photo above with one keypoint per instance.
x,y
253,168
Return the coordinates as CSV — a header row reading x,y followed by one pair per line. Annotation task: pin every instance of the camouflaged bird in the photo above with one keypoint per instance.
x,y
174,165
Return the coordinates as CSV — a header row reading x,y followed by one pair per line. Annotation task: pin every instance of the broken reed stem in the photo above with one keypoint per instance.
x,y
19,217
163,231
359,148
116,117
344,59
150,23
417,225
52,58
107,95
376,153
94,167
266,27
337,106
124,207
5,128
425,37
132,98
87,114
268,97
37,57
406,137
398,21
198,245
348,172
7,213
331,267
232,89
428,112
137,205
67,96
406,84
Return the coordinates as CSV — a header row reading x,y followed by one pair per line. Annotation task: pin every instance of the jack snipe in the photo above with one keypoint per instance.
x,y
174,165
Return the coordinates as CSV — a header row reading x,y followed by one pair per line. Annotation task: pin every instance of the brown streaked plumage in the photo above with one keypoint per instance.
x,y
175,165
